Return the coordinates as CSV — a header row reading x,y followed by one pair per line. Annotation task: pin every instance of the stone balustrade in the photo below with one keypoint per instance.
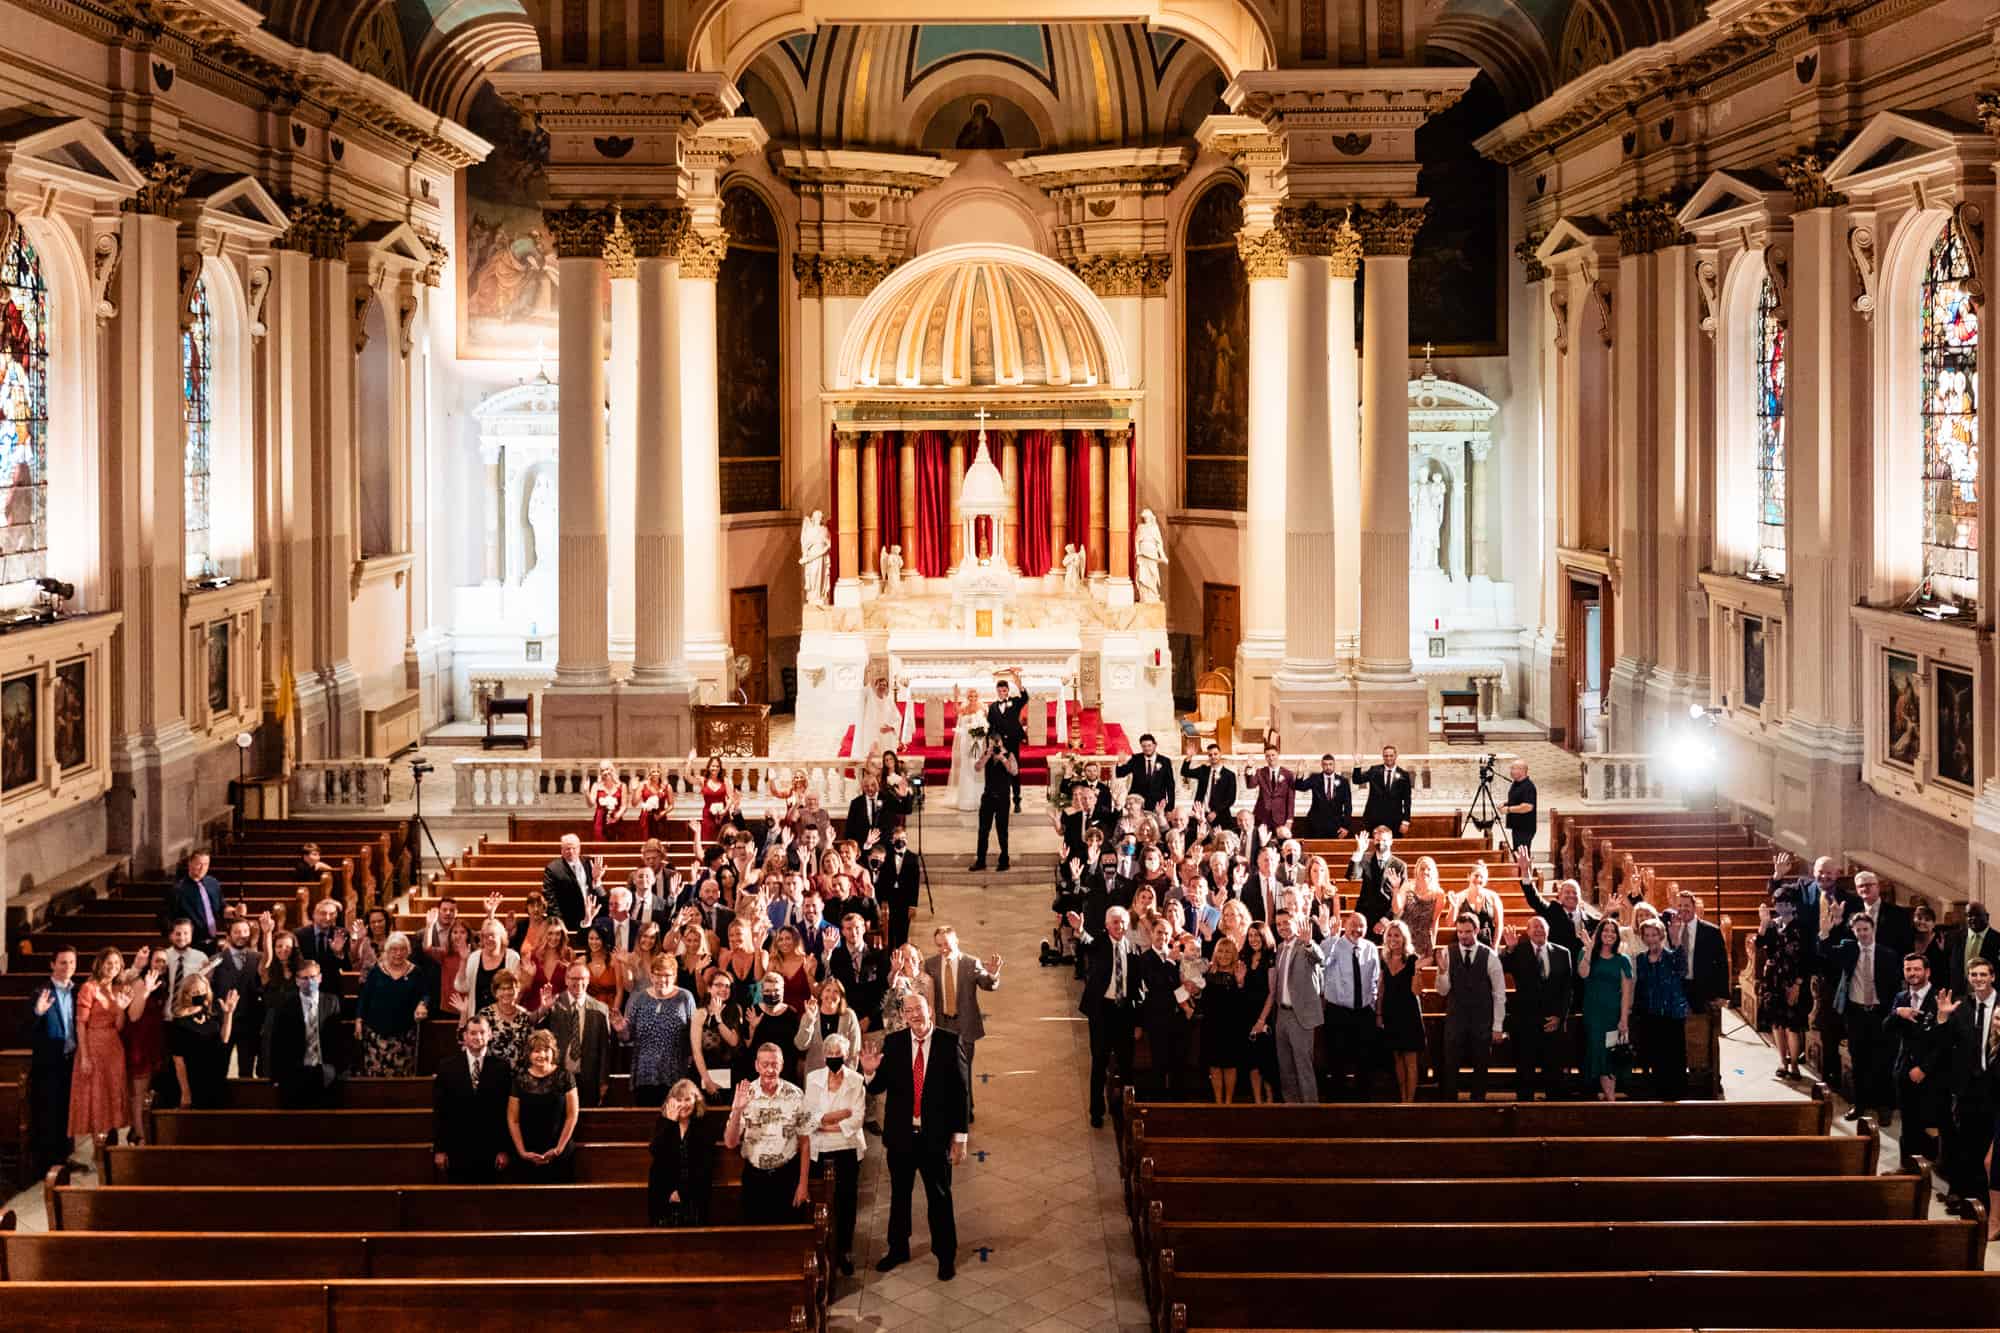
x,y
485,782
1627,779
345,785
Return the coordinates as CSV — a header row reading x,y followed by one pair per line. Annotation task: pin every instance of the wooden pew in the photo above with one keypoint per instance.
x,y
737,1301
1632,1299
412,1124
365,1094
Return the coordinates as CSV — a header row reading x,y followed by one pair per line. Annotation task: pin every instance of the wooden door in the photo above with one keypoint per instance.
x,y
749,613
1221,626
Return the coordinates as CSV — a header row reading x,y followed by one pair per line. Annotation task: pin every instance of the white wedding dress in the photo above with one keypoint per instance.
x,y
966,781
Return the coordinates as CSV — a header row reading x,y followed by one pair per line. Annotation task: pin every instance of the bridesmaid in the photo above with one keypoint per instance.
x,y
607,803
145,1028
656,802
716,797
100,1099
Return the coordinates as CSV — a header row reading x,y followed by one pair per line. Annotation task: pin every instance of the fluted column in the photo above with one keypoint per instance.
x,y
1265,267
1387,233
906,458
956,480
701,253
871,516
659,650
622,437
1476,506
1313,383
1343,409
1010,480
494,570
583,658
1118,511
1099,542
1058,499
847,517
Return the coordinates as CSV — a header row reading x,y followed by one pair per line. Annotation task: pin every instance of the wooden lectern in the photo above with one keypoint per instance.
x,y
732,729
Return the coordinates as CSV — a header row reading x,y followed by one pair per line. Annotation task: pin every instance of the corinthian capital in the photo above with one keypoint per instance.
x,y
702,253
1124,275
1263,253
578,232
1389,228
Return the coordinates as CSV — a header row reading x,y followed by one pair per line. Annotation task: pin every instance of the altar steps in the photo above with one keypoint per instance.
x,y
1087,727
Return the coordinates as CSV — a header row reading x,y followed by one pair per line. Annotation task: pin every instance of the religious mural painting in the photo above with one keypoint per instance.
x,y
72,715
749,356
20,731
1753,662
24,413
1216,330
1955,727
1903,716
218,667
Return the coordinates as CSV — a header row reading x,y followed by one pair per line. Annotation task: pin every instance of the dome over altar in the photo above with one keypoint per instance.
x,y
968,316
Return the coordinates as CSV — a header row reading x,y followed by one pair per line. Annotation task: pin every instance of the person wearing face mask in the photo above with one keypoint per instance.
x,y
836,1102
774,1022
305,1043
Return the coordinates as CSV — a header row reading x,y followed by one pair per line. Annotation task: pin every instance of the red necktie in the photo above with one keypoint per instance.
x,y
917,1085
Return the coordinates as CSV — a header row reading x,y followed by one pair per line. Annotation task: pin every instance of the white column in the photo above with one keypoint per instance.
x,y
707,637
659,646
1308,488
1476,505
622,442
1343,406
1263,597
583,657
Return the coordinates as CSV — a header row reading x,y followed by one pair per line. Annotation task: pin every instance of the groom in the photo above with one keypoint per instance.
x,y
1003,724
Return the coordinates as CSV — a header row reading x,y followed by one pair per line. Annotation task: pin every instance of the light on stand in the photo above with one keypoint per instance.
x,y
1696,752
244,740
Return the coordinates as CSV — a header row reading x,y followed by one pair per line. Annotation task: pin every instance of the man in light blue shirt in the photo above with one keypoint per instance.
x,y
1349,983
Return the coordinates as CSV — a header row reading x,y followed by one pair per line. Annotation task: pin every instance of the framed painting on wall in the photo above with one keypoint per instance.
x,y
1903,713
20,731
1753,662
218,667
72,715
1955,728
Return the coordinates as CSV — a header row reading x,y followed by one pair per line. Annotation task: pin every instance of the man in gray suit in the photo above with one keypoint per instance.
x,y
955,982
1296,1005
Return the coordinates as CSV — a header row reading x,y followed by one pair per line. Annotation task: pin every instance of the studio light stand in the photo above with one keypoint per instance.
x,y
1711,717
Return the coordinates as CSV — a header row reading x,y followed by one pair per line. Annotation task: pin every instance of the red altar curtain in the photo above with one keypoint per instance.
x,y
1079,490
833,505
1036,494
932,558
889,490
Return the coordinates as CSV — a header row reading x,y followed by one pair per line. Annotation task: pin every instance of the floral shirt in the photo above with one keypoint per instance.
x,y
773,1124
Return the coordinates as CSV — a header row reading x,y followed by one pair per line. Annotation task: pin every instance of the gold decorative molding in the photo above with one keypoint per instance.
x,y
1345,255
655,232
702,253
319,230
1645,225
1124,275
1263,253
1804,174
1987,108
166,178
578,231
1389,228
432,274
1308,227
840,275
619,259
1526,250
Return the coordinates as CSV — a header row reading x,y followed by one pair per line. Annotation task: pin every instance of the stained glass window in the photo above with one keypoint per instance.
x,y
1950,351
24,413
1770,390
198,421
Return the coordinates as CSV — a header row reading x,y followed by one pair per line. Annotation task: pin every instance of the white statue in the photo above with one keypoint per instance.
x,y
1149,552
1072,567
892,569
1427,520
815,557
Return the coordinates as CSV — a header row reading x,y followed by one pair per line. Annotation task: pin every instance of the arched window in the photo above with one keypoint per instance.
x,y
24,414
1949,350
198,424
1769,377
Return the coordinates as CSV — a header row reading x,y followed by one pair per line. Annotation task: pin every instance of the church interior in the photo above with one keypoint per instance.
x,y
1598,383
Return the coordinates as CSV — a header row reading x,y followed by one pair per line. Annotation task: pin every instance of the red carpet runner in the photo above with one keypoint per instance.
x,y
1086,727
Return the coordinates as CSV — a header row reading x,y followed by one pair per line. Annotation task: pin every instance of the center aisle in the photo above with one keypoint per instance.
x,y
1045,1203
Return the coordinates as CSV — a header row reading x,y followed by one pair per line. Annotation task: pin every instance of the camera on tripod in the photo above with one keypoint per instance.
x,y
1487,767
419,766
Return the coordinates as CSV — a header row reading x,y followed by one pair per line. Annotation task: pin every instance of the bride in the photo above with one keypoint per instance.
x,y
966,780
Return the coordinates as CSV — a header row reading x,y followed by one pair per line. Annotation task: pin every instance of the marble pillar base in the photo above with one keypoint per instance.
x,y
1314,714
1983,847
654,721
1257,660
151,812
580,722
343,685
1391,712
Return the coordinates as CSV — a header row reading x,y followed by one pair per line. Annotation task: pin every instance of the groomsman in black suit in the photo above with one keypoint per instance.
x,y
1544,976
1152,775
469,1110
1918,1060
1332,811
1389,791
923,1128
1003,722
1214,785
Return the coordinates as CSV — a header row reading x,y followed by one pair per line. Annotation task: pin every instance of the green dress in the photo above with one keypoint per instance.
x,y
1603,998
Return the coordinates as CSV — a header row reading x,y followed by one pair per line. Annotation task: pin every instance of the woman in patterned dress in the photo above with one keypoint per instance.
x,y
390,1012
511,1023
657,1022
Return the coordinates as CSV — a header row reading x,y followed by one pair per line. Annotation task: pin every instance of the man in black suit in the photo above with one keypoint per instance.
x,y
305,1043
1004,723
868,812
198,897
1975,939
1917,1063
1214,785
897,884
1389,792
1895,931
1571,924
1544,977
1152,776
1166,1012
50,1033
1110,985
1332,810
571,881
1000,775
860,971
1869,974
237,972
469,1110
325,941
1706,980
923,1128
1380,872
1971,1024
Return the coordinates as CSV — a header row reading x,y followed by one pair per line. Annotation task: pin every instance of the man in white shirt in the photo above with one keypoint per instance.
x,y
768,1123
1350,981
836,1104
183,961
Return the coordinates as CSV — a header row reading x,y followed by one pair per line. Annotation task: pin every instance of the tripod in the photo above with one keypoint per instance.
x,y
418,767
923,866
1484,812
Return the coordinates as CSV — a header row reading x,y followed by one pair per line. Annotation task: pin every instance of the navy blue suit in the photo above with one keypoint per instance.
x,y
51,1039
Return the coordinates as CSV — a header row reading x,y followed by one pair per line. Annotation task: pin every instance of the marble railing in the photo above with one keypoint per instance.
x,y
486,783
340,784
1627,779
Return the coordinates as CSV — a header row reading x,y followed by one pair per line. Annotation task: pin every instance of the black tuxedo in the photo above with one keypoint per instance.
x,y
1213,787
1003,721
865,983
1388,800
1915,1044
1538,1054
1375,872
301,1085
237,971
1152,779
1111,1021
565,895
859,824
921,1146
316,946
1975,1097
1332,812
1954,959
468,1124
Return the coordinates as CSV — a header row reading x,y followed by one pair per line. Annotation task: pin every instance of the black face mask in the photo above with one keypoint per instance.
x,y
834,1063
